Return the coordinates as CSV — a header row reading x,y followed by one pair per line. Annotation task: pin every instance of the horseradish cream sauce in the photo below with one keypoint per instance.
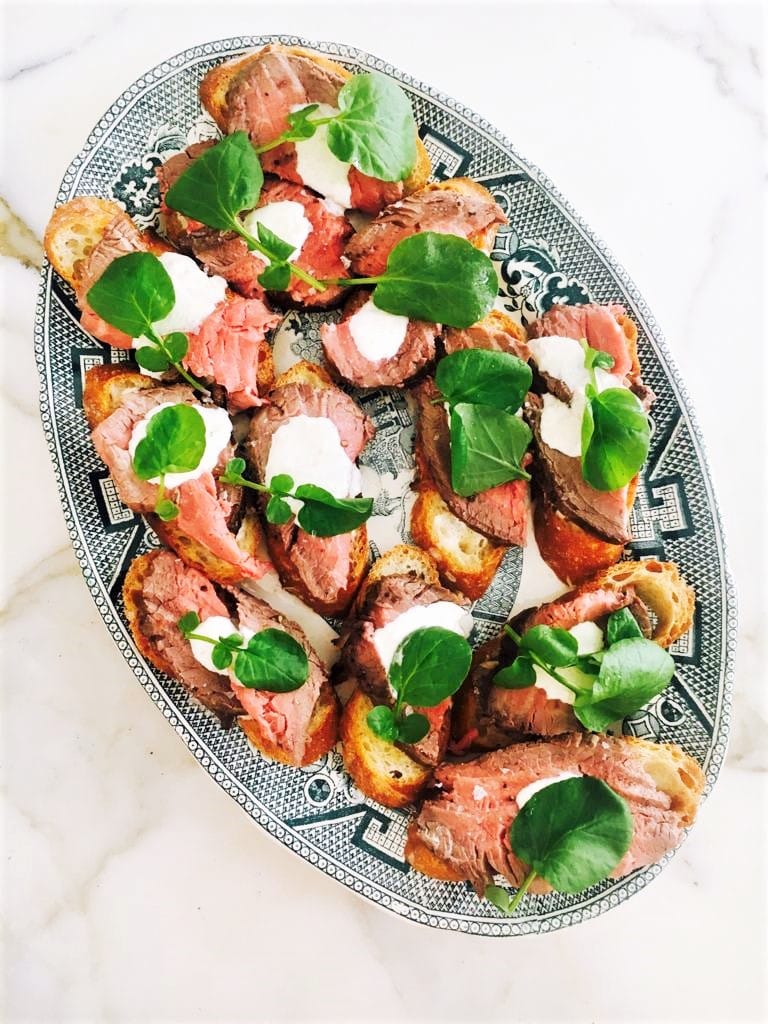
x,y
318,167
441,613
377,334
286,219
533,788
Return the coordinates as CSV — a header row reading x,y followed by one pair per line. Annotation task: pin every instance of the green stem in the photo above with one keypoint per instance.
x,y
246,483
346,282
289,136
542,664
255,245
160,491
522,891
192,381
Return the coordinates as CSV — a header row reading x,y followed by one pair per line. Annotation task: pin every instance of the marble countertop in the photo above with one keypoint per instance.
x,y
134,889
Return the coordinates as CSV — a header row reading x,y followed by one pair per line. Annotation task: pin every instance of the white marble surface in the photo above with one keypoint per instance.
x,y
134,889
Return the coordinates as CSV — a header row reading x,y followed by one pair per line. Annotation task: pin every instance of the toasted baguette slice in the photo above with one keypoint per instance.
x,y
661,587
105,388
466,560
401,560
77,226
215,86
674,773
379,769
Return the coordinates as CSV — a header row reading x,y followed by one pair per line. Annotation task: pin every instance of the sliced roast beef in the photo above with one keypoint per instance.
x,y
169,590
495,333
500,513
416,351
560,477
442,210
120,237
205,506
282,718
385,600
466,823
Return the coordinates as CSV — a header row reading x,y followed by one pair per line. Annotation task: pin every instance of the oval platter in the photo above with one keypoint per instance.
x,y
546,255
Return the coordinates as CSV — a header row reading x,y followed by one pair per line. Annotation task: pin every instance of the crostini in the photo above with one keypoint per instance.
x,y
489,716
295,727
461,831
312,432
214,530
255,93
227,344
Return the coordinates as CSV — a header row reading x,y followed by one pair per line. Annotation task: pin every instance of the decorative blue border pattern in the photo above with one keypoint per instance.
x,y
547,255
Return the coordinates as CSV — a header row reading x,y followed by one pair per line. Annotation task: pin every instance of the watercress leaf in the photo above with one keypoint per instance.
x,y
573,833
189,622
499,897
632,672
326,516
275,277
277,247
176,345
174,443
621,625
381,721
615,437
278,511
374,130
166,510
594,717
133,292
221,656
439,278
594,357
412,728
234,468
281,484
429,665
487,448
299,123
590,663
481,377
151,358
517,676
274,661
232,642
556,646
222,182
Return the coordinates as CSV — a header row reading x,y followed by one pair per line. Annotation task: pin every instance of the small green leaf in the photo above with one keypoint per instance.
x,y
487,448
421,278
174,443
189,622
222,182
621,625
480,377
325,516
381,722
177,345
166,510
133,293
221,656
556,646
275,277
573,833
615,437
280,484
517,676
594,357
499,897
273,661
233,470
278,511
278,248
151,358
374,130
429,665
412,728
299,123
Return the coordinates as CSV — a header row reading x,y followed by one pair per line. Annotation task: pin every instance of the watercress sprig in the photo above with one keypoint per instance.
x,y
373,130
483,391
217,187
271,660
428,666
572,833
321,513
612,683
615,432
174,443
133,294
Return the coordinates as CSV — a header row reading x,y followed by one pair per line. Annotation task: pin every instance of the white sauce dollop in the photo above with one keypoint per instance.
x,y
441,613
216,627
318,167
533,788
563,358
197,295
286,219
589,637
309,450
377,334
218,431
